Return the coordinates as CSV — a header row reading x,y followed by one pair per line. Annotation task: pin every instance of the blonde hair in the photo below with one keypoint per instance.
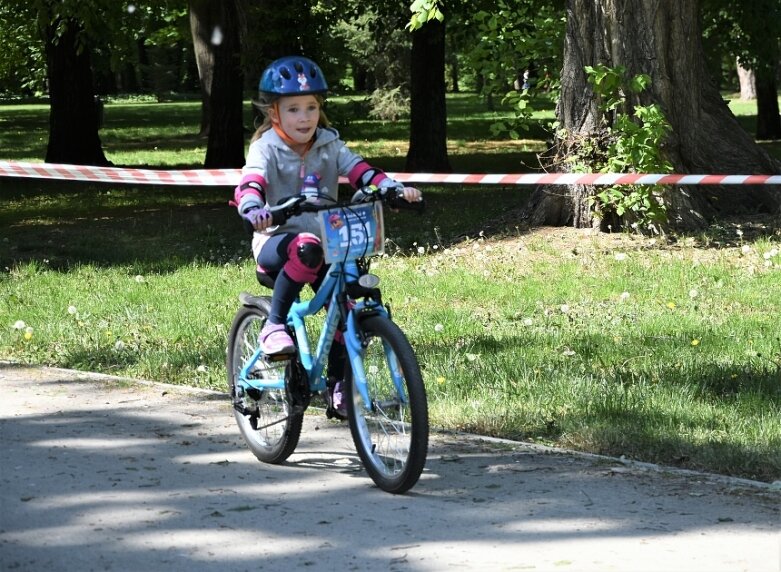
x,y
265,102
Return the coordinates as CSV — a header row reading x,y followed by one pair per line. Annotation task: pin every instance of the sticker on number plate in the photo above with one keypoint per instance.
x,y
352,232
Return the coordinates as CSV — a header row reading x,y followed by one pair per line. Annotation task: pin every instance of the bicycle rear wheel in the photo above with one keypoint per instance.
x,y
391,436
266,419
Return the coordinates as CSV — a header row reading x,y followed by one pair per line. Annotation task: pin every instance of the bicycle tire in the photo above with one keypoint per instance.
x,y
268,425
392,438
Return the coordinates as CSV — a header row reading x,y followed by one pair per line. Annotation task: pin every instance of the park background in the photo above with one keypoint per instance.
x,y
655,343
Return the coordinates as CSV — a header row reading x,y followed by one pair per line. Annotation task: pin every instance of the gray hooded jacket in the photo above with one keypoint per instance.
x,y
284,171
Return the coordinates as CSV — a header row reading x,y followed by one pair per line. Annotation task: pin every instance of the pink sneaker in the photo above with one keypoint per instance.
x,y
274,339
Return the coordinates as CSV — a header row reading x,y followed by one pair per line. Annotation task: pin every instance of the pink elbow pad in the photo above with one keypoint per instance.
x,y
250,192
364,174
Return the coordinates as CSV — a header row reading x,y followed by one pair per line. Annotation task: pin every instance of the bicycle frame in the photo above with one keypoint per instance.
x,y
314,364
387,410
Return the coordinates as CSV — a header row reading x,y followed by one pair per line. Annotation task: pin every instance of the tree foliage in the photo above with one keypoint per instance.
x,y
117,34
21,60
749,31
516,38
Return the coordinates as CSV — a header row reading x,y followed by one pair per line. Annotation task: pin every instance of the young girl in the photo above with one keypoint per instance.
x,y
295,150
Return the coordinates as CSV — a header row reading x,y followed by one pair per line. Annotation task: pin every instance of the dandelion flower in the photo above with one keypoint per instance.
x,y
695,342
440,380
439,328
28,333
421,250
671,305
19,325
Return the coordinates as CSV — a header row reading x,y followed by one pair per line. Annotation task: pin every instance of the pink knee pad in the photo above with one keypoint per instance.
x,y
304,258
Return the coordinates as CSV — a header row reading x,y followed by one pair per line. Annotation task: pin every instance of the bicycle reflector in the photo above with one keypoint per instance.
x,y
369,281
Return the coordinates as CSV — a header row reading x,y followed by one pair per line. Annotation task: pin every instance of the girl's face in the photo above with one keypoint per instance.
x,y
298,117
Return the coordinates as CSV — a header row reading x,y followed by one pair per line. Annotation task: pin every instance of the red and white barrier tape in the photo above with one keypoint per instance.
x,y
230,177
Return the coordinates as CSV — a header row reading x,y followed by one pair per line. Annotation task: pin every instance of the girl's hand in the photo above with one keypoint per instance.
x,y
412,195
259,218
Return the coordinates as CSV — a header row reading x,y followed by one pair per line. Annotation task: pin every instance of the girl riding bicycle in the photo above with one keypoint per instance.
x,y
296,151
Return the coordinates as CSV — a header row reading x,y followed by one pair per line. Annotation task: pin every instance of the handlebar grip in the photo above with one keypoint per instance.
x,y
398,202
286,209
278,217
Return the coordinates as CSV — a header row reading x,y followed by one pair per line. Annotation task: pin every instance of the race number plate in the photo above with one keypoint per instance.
x,y
353,232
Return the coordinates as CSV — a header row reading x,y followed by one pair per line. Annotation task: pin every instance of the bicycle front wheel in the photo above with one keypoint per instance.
x,y
391,435
265,417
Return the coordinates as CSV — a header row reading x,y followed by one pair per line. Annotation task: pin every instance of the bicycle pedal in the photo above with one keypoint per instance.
x,y
243,409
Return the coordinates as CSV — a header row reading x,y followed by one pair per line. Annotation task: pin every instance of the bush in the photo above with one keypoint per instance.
x,y
389,104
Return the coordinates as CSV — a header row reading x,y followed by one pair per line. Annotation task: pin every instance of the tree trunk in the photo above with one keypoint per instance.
x,y
768,118
748,90
428,120
452,62
74,117
225,148
660,38
202,22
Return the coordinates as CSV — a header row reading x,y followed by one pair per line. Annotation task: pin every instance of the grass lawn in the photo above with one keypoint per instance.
x,y
661,349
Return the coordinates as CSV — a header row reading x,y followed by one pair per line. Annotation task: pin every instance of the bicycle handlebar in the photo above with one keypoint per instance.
x,y
298,204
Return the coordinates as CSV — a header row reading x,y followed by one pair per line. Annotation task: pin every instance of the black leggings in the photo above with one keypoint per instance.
x,y
272,259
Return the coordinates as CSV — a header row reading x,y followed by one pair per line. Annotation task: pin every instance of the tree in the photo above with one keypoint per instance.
x,y
59,45
428,114
500,39
660,39
225,147
202,26
74,117
747,81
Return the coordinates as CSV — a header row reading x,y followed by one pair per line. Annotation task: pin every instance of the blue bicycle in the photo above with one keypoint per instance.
x,y
387,409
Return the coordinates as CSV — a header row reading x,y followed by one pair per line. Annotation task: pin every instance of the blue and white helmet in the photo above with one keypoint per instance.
x,y
293,75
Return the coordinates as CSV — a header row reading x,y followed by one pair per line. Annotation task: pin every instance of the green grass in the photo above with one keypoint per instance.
x,y
660,350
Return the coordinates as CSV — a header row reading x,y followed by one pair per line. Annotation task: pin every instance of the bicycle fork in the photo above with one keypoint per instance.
x,y
356,343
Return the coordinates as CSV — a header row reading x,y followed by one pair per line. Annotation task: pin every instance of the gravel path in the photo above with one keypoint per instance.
x,y
101,473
